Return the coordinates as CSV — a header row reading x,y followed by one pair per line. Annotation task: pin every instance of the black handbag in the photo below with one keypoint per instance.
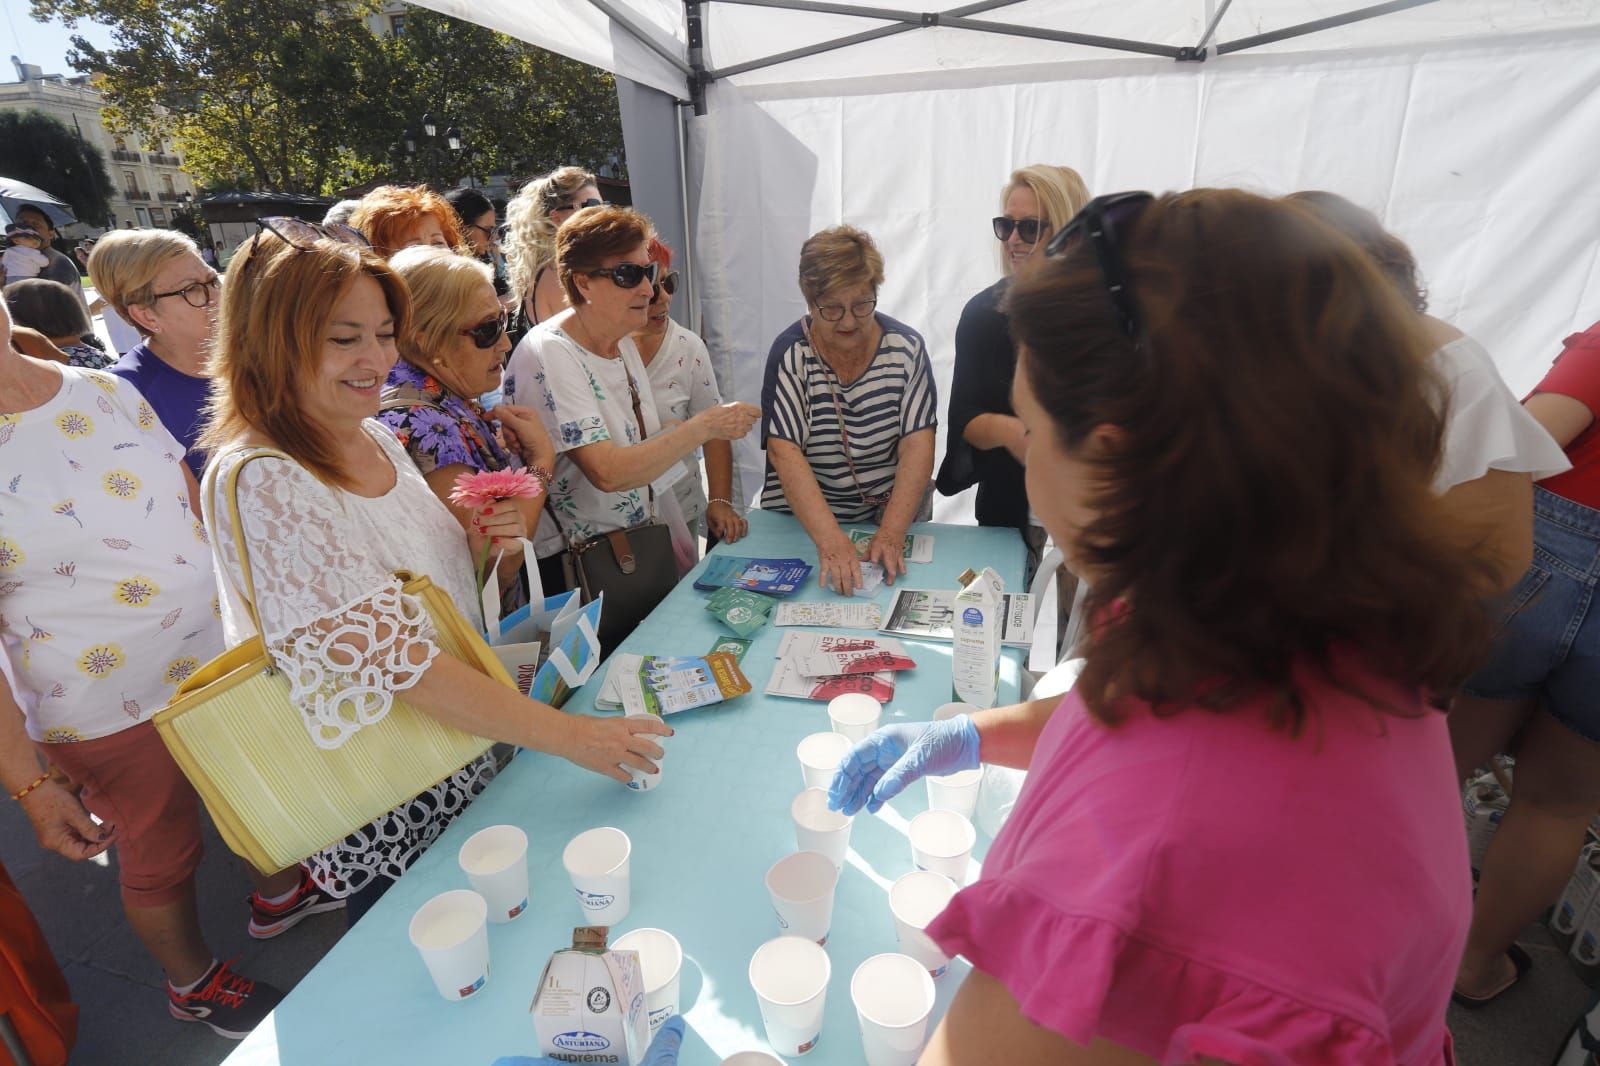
x,y
634,567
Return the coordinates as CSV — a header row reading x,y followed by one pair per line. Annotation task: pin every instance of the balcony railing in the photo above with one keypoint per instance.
x,y
167,197
122,155
166,160
135,194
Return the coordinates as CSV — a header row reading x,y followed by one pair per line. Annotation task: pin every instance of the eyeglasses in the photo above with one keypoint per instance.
x,y
669,283
199,294
835,312
1098,221
575,206
628,275
1029,229
489,232
301,235
486,334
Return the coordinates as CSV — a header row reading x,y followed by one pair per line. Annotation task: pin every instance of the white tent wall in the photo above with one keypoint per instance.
x,y
1482,156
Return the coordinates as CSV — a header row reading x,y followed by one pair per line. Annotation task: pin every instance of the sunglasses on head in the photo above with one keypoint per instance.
x,y
487,333
303,236
628,275
1098,223
1029,229
669,282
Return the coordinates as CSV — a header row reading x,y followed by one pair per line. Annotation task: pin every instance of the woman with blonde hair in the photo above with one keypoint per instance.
x,y
156,280
392,217
452,354
532,218
985,444
306,343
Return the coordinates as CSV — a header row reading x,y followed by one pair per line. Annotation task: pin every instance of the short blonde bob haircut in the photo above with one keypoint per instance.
x,y
530,243
838,257
593,235
443,287
275,313
124,265
388,214
1060,192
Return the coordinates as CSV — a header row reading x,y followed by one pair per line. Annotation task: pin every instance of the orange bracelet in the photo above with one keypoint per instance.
x,y
42,778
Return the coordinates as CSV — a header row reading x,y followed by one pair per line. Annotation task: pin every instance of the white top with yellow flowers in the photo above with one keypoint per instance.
x,y
105,576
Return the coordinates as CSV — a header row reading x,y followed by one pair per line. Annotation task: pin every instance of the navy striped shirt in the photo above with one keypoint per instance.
x,y
893,398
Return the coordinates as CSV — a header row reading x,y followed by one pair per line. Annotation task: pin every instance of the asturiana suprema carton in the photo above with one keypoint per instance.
x,y
975,659
589,1006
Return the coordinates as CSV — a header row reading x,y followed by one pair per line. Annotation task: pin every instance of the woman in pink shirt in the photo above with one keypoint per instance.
x,y
1241,838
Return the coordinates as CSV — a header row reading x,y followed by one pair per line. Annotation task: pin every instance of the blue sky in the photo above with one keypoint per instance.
x,y
44,43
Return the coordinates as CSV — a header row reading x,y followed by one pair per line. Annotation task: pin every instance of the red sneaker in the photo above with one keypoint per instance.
x,y
228,1002
267,920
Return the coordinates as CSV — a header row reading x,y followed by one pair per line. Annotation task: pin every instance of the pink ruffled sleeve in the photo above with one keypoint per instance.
x,y
1084,976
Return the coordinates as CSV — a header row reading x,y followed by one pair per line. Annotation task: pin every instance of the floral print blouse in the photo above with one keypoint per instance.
x,y
437,427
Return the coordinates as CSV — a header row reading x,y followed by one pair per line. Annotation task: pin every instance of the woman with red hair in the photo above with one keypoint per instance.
x,y
393,217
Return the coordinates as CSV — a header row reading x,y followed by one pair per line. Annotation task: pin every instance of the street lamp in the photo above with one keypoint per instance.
x,y
428,125
453,143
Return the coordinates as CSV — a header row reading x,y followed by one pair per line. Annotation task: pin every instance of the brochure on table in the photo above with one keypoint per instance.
x,y
929,614
667,684
774,577
919,546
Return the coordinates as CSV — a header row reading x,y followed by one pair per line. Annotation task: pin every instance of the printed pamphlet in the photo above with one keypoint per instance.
x,y
775,577
929,614
836,615
919,546
825,654
734,646
662,685
787,680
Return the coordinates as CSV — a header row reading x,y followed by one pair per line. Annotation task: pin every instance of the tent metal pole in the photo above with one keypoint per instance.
x,y
642,35
810,50
1211,27
1332,21
695,24
823,7
1063,36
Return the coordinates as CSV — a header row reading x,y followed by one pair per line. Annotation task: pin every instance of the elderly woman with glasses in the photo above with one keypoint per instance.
x,y
156,280
533,217
582,372
452,354
849,412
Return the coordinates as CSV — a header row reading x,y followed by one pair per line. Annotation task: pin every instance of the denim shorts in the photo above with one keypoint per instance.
x,y
1548,644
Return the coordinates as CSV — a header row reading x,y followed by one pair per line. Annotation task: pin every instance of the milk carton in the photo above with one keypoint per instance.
x,y
1485,804
975,660
1579,893
589,1005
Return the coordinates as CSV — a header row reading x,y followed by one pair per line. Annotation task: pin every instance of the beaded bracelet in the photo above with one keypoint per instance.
x,y
41,779
719,499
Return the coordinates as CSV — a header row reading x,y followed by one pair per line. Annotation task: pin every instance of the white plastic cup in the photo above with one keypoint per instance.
x,y
855,714
820,755
816,828
955,792
597,862
790,977
915,900
893,996
950,710
661,961
801,886
451,933
751,1058
638,780
942,841
495,861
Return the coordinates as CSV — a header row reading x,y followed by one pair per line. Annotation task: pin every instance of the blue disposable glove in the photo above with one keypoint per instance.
x,y
663,1050
879,768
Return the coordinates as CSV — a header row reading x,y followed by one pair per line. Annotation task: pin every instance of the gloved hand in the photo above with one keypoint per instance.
x,y
879,768
663,1050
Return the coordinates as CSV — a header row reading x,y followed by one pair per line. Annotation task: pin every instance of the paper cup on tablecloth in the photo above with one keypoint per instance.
x,y
915,900
751,1058
820,755
955,792
855,714
942,841
638,780
950,710
495,861
790,977
451,933
801,886
893,996
661,961
597,862
816,828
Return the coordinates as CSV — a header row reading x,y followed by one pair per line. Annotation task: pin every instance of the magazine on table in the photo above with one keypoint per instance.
x,y
774,577
919,546
832,615
929,614
827,654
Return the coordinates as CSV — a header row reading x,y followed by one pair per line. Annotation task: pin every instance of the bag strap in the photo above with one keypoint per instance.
x,y
638,418
236,523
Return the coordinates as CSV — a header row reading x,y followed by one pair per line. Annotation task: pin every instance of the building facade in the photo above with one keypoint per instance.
x,y
149,180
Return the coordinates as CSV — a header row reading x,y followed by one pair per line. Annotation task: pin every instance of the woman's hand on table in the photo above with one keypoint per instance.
x,y
610,745
839,567
663,1050
888,549
525,434
726,524
880,767
62,825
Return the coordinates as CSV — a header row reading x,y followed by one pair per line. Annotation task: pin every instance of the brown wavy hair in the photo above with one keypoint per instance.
x,y
387,215
595,234
1392,254
1268,500
275,311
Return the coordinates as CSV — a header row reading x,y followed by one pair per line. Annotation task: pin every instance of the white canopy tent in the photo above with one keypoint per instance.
x,y
1472,127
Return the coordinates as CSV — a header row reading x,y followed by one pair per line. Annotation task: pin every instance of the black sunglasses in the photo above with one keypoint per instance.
x,y
303,236
578,206
628,275
487,333
1029,229
669,282
1098,221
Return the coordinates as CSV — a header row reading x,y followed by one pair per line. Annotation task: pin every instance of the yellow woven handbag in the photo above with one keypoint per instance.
x,y
276,797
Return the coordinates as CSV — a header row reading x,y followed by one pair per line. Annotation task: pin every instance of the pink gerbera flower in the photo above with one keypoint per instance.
x,y
486,486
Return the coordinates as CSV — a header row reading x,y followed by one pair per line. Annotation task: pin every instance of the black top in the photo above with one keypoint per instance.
x,y
986,361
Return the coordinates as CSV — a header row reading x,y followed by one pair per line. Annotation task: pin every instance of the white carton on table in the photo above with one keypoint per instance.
x,y
975,662
589,1005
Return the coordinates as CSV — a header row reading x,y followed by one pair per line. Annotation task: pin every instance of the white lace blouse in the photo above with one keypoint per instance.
x,y
339,626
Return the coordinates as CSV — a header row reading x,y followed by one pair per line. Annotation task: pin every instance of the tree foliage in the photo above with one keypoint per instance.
x,y
42,150
299,95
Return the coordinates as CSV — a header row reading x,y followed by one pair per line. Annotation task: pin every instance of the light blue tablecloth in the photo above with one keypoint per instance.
x,y
702,843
